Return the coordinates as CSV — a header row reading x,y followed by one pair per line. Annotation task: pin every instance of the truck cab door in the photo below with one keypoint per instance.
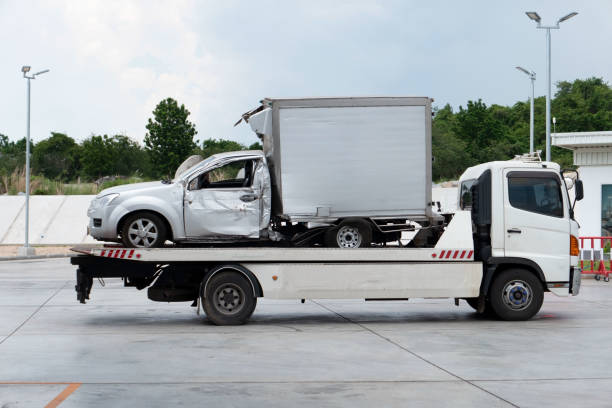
x,y
224,202
536,220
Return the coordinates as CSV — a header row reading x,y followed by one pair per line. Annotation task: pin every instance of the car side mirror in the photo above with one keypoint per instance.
x,y
579,190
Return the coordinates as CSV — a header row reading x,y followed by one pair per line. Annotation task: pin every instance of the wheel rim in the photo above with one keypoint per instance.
x,y
348,237
229,299
517,295
143,233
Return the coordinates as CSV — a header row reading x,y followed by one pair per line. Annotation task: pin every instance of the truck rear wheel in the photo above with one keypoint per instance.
x,y
516,294
228,299
349,233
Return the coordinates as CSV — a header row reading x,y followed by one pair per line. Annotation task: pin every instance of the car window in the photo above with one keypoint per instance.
x,y
232,175
538,194
465,199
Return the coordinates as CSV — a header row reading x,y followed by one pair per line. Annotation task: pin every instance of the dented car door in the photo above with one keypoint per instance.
x,y
225,201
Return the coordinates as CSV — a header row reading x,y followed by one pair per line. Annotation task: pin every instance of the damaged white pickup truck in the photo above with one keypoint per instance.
x,y
343,172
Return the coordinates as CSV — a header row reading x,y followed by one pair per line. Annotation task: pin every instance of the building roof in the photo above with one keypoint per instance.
x,y
590,148
576,140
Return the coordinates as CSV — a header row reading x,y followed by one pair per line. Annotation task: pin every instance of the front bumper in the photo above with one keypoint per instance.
x,y
103,222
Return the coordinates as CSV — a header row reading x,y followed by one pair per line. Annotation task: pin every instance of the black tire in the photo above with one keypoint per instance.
x,y
597,277
350,233
149,224
516,294
228,299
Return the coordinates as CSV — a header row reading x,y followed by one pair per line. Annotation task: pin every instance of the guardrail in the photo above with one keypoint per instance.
x,y
596,257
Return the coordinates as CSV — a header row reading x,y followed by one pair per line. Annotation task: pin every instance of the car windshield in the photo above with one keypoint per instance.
x,y
185,173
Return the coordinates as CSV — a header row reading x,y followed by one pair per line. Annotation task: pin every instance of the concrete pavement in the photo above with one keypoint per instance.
x,y
121,349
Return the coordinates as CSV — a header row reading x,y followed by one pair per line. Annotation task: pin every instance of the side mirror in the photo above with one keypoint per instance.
x,y
579,190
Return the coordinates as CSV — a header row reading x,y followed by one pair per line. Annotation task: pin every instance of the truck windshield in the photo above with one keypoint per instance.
x,y
465,198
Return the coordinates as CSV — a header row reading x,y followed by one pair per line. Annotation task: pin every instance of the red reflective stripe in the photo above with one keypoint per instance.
x,y
456,253
109,254
117,253
463,254
470,254
123,253
131,253
103,252
442,254
448,254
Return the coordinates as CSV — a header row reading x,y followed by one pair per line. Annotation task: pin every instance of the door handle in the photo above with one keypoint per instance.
x,y
514,231
248,197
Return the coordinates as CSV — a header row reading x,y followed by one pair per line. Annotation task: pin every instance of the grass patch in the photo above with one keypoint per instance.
x,y
15,183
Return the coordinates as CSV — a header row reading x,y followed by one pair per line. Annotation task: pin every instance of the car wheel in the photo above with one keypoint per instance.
x,y
349,234
228,299
143,230
516,294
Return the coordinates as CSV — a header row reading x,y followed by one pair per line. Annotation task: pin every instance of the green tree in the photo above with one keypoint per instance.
x,y
56,157
116,155
581,106
12,154
449,152
214,146
169,140
255,146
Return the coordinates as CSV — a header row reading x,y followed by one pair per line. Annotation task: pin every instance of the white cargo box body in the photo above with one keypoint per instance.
x,y
348,157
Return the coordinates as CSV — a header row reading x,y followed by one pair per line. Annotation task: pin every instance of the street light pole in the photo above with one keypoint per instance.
x,y
532,76
26,250
536,17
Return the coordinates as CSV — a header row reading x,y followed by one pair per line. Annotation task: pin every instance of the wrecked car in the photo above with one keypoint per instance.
x,y
343,172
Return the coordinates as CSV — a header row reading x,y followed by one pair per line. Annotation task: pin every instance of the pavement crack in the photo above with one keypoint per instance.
x,y
34,312
415,354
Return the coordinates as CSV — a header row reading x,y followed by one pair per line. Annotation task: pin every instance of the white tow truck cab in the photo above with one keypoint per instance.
x,y
512,239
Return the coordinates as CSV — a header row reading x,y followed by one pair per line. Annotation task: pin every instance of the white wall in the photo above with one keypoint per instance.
x,y
588,210
54,220
447,196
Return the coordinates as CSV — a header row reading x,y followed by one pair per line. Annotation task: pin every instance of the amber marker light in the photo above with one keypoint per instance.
x,y
574,249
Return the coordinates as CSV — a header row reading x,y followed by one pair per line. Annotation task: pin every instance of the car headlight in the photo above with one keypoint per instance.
x,y
103,201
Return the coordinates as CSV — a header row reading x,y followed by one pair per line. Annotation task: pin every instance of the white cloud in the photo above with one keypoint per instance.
x,y
113,61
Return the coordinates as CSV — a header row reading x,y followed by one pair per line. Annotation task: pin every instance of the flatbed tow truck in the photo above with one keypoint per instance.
x,y
512,239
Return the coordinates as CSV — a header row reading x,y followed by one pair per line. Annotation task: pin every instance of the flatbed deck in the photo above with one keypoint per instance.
x,y
265,254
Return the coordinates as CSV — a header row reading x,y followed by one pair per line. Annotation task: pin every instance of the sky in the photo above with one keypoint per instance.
x,y
112,61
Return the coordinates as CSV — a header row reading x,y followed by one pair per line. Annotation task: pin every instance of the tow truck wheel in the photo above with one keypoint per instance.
x,y
143,230
228,299
516,294
349,233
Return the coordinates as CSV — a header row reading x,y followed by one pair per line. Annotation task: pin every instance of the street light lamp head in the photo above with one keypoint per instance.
x,y
534,16
25,69
570,15
523,70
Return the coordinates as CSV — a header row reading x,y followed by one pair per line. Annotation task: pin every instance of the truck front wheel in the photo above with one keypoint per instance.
x,y
516,294
349,233
228,299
